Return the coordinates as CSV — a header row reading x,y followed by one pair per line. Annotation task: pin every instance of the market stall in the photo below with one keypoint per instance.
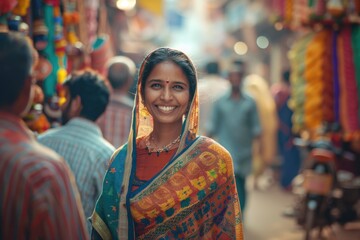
x,y
325,63
68,35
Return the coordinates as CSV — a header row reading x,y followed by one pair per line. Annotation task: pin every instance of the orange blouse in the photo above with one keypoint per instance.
x,y
148,165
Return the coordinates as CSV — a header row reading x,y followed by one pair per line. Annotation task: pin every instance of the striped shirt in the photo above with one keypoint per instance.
x,y
116,121
83,147
38,198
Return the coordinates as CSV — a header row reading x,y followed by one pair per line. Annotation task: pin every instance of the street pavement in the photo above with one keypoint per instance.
x,y
264,220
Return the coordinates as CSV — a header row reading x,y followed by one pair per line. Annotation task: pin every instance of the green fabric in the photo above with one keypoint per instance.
x,y
50,82
111,197
3,18
98,43
355,37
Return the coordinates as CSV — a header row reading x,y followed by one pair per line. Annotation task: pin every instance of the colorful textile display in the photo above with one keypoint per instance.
x,y
297,63
329,76
326,88
299,13
54,27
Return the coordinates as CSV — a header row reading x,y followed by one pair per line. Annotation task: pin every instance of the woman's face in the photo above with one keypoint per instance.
x,y
167,93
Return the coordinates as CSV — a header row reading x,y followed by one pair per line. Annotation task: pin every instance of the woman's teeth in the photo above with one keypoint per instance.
x,y
166,108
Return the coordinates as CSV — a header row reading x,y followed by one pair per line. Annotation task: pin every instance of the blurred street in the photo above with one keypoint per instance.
x,y
264,218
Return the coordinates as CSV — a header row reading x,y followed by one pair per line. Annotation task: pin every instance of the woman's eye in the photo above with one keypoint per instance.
x,y
155,85
178,87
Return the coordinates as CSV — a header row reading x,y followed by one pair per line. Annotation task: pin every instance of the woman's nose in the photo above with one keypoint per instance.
x,y
166,94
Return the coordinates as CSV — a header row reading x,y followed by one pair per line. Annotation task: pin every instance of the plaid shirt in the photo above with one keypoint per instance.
x,y
83,147
115,123
38,197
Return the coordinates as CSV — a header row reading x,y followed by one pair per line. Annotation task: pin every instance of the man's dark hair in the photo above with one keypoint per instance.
x,y
237,66
212,67
15,65
93,92
121,71
168,54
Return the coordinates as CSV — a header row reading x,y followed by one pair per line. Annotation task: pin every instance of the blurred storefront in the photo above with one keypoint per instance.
x,y
206,30
68,35
324,62
74,34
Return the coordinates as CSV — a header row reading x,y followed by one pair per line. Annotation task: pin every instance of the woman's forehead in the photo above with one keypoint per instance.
x,y
167,71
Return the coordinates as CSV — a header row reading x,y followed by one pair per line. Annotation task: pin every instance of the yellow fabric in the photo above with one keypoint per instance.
x,y
257,87
154,6
314,74
298,84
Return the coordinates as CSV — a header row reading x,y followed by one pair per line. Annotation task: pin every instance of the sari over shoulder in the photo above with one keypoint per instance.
x,y
193,197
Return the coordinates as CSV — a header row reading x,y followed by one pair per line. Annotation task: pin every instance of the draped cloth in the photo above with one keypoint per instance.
x,y
193,197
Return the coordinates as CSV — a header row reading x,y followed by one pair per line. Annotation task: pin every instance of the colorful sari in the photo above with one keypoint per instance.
x,y
193,197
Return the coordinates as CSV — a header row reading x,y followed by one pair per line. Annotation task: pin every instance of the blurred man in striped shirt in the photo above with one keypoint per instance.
x,y
80,140
38,197
115,122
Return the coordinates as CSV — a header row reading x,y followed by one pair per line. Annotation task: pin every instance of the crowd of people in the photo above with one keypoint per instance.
x,y
123,168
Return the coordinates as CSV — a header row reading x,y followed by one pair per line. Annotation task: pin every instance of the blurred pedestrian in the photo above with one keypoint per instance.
x,y
266,147
289,153
167,182
235,124
211,86
80,140
39,198
115,122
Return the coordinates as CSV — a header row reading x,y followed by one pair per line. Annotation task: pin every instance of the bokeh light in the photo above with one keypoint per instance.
x,y
125,5
262,42
279,26
240,48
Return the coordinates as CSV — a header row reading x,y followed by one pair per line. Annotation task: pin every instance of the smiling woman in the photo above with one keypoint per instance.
x,y
166,96
167,182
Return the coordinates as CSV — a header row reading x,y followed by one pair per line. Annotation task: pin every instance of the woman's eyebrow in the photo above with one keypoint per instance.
x,y
155,80
181,83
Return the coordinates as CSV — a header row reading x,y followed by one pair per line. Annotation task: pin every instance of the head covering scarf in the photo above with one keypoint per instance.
x,y
143,120
112,215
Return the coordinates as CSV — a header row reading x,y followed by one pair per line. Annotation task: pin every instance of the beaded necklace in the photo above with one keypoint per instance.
x,y
165,148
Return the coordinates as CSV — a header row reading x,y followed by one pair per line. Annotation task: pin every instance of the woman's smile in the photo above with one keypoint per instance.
x,y
166,109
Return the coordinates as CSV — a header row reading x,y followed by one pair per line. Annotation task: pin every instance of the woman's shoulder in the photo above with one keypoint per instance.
x,y
120,153
213,146
116,153
210,153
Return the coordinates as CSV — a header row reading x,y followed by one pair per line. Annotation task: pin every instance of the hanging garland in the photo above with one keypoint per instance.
x,y
313,75
297,63
326,88
298,13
